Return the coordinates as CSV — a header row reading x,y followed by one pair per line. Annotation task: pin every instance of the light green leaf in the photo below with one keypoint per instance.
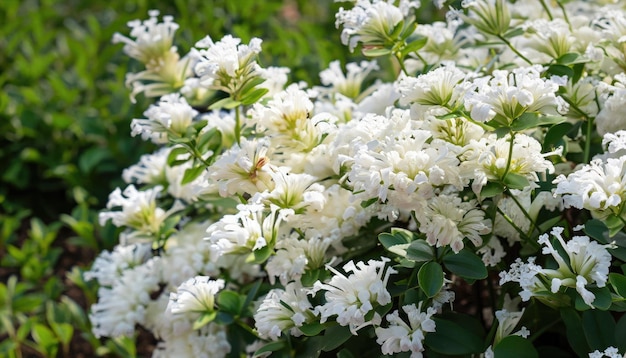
x,y
206,318
192,173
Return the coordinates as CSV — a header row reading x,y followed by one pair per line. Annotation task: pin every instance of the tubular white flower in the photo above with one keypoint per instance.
x,y
196,295
351,298
244,169
169,118
447,220
283,310
599,187
139,211
109,266
508,95
439,87
402,337
349,84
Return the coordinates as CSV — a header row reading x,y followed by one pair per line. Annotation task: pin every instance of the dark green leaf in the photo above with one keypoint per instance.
x,y
172,157
599,328
465,264
230,301
554,136
491,189
209,141
430,278
533,120
515,347
335,336
619,283
420,251
602,301
270,347
620,333
454,338
574,331
515,181
561,70
312,329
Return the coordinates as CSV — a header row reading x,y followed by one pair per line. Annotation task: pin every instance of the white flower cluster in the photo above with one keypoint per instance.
x,y
278,193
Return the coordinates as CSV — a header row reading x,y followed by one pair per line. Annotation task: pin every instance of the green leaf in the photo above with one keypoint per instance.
x,y
270,347
515,347
620,333
491,189
368,202
172,158
614,223
192,173
211,140
602,301
414,46
455,337
312,329
335,336
206,318
394,238
309,277
43,336
554,136
574,331
430,278
465,264
226,103
599,328
570,58
560,70
230,301
532,120
619,283
515,181
63,331
376,52
514,32
420,251
261,255
254,96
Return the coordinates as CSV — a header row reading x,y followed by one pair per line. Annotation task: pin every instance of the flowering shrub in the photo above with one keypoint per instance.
x,y
472,206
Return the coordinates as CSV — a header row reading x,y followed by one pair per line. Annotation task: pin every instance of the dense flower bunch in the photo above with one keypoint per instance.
x,y
478,198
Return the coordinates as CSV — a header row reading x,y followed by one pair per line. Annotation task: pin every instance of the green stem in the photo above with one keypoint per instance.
x,y
510,158
545,7
510,221
401,63
237,124
526,214
510,45
543,329
588,141
565,17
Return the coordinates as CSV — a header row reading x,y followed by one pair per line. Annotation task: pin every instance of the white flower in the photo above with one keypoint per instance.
x,y
169,118
403,337
227,65
368,23
109,266
610,118
243,169
208,342
508,95
250,229
283,310
487,159
439,87
139,211
196,295
349,84
615,143
610,352
152,45
489,16
123,305
525,274
508,318
294,256
150,169
598,187
447,220
587,262
351,298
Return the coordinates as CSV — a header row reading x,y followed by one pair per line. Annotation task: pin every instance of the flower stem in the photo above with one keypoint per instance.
x,y
587,149
510,45
238,124
510,158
